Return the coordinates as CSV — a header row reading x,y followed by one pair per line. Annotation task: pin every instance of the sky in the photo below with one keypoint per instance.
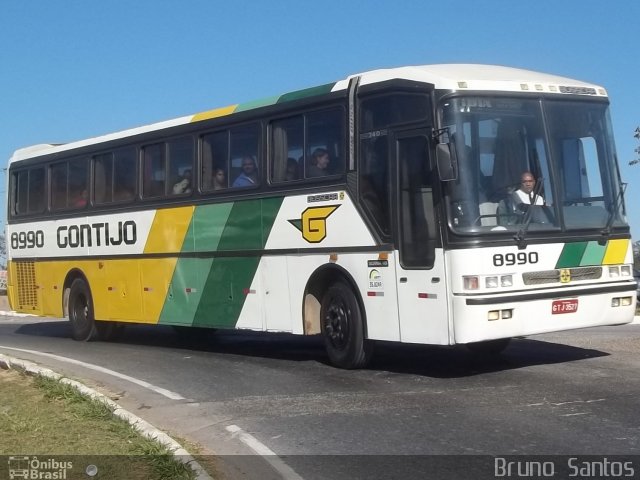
x,y
73,69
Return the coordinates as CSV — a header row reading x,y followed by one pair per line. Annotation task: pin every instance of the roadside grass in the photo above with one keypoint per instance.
x,y
41,417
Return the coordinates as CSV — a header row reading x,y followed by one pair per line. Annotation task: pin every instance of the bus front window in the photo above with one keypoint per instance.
x,y
581,141
498,140
511,176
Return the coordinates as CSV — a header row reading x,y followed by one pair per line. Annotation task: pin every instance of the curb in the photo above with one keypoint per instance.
x,y
142,426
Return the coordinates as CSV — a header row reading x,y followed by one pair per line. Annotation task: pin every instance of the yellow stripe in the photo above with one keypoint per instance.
x,y
123,290
168,230
218,112
616,252
156,275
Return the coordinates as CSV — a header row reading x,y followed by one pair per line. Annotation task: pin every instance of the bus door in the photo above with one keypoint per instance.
x,y
422,294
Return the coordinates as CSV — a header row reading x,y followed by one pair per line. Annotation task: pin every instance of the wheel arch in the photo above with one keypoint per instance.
x,y
72,275
317,285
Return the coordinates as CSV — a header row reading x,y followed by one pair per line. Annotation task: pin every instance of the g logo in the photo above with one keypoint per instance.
x,y
313,223
565,275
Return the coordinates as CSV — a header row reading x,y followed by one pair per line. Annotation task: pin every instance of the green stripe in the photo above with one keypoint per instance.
x,y
243,228
571,254
224,291
307,92
180,306
220,284
207,226
594,254
257,104
248,227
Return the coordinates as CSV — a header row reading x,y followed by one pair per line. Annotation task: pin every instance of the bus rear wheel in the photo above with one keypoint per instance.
x,y
343,328
83,325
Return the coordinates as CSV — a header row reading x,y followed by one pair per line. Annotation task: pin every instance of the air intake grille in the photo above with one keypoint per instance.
x,y
27,288
553,276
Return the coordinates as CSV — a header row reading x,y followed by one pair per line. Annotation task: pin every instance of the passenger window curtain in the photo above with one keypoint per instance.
x,y
280,153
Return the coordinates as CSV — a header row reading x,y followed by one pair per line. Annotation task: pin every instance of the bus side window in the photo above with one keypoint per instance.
x,y
245,149
124,174
215,159
59,186
78,183
325,143
287,137
181,165
153,171
36,190
103,178
20,184
27,192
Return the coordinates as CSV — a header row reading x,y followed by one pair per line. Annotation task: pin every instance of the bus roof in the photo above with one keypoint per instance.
x,y
455,77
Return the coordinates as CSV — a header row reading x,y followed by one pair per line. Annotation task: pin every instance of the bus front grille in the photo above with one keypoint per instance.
x,y
27,288
554,276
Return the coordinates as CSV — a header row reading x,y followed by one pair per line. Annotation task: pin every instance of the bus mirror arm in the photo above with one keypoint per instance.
x,y
606,231
447,161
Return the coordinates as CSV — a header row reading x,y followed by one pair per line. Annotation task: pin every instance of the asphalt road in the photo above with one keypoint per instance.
x,y
238,393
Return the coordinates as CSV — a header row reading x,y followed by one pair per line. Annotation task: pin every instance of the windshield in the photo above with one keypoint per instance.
x,y
512,175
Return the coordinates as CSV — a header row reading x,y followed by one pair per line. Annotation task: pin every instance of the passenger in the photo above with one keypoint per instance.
x,y
184,184
249,175
219,179
319,163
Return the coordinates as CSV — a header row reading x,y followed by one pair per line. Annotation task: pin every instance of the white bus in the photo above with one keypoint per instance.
x,y
384,206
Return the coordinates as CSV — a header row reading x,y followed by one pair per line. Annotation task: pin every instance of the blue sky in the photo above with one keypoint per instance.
x,y
78,68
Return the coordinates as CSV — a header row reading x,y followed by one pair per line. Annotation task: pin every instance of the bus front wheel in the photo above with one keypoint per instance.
x,y
343,328
83,325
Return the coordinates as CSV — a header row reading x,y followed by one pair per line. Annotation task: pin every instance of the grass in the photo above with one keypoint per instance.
x,y
44,418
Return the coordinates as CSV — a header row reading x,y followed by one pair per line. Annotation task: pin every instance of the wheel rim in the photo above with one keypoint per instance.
x,y
336,323
81,311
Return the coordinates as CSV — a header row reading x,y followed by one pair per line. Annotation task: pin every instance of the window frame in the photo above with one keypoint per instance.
x,y
306,147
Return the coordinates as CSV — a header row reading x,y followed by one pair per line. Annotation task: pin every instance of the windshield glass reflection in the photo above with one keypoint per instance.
x,y
510,173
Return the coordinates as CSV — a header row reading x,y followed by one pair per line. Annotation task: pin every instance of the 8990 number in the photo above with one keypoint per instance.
x,y
30,239
520,258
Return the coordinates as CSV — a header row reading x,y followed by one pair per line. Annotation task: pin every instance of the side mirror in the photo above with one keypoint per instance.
x,y
447,161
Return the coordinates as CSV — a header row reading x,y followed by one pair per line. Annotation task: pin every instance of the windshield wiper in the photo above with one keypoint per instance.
x,y
606,231
520,237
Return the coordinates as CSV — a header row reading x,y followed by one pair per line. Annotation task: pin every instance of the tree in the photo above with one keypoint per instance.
x,y
636,134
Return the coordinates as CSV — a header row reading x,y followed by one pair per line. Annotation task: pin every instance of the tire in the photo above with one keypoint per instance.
x,y
489,347
109,331
343,328
83,325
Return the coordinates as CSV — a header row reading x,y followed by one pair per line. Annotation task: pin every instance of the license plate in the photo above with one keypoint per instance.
x,y
564,306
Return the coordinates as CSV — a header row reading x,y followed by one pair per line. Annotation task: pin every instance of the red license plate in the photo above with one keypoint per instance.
x,y
564,306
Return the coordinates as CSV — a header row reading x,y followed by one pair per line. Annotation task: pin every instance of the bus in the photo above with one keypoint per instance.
x,y
376,208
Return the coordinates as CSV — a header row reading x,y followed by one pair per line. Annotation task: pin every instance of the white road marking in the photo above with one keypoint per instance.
x,y
579,401
97,368
261,449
